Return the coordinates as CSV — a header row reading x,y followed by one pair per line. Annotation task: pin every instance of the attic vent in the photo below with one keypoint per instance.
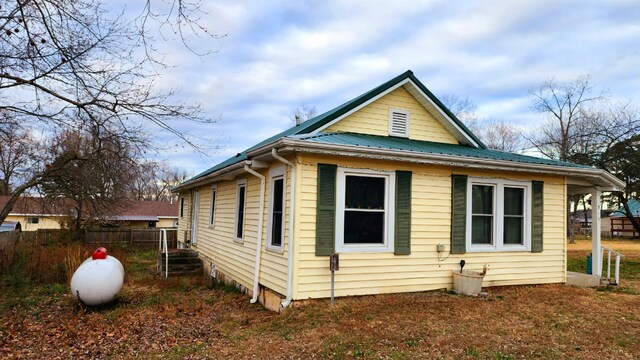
x,y
398,123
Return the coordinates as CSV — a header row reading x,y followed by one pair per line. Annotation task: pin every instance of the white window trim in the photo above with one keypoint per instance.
x,y
195,214
276,173
401,111
239,183
182,207
212,205
498,215
390,191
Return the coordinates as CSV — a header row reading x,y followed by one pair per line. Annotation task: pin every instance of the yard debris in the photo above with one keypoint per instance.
x,y
188,318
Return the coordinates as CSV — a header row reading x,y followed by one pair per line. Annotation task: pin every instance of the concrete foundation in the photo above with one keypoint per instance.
x,y
582,280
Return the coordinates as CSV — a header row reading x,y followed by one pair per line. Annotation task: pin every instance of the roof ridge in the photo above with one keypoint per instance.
x,y
325,118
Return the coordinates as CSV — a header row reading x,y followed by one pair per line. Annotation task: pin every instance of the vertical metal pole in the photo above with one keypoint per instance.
x,y
596,245
609,265
617,269
332,278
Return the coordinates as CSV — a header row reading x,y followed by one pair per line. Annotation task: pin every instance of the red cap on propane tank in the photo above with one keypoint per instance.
x,y
99,254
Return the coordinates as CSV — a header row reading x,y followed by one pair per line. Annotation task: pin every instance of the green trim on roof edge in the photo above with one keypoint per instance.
x,y
427,147
326,117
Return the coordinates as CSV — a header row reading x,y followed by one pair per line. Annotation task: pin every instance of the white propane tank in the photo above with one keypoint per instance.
x,y
98,279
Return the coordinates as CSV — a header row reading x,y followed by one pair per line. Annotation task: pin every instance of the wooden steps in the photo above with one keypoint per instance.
x,y
181,262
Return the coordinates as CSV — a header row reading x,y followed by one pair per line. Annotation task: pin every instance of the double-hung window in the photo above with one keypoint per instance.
x,y
275,223
498,215
212,210
364,211
240,208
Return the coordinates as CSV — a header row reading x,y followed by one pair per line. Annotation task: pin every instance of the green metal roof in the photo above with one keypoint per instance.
x,y
403,144
325,118
634,206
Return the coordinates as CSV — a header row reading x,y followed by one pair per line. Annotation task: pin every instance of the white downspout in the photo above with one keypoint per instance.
x,y
256,272
292,187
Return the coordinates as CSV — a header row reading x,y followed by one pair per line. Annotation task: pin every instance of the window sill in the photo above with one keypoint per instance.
x,y
212,227
516,248
275,249
238,241
363,249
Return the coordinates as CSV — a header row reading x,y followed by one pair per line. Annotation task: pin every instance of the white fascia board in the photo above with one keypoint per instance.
x,y
449,160
373,99
450,120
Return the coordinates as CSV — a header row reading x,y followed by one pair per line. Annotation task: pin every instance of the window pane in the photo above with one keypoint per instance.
x,y
278,192
363,227
240,214
364,192
482,199
482,229
276,230
513,201
213,207
276,215
513,230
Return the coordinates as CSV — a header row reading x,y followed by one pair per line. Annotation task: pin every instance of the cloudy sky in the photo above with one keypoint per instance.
x,y
277,55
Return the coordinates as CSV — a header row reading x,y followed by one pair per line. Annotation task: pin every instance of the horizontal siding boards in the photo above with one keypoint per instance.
x,y
423,269
374,119
237,260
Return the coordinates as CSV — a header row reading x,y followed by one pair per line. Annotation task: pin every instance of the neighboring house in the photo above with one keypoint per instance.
x,y
618,225
146,214
35,213
399,187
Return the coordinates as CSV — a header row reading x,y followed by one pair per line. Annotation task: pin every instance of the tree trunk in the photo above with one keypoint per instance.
x,y
585,214
627,210
571,218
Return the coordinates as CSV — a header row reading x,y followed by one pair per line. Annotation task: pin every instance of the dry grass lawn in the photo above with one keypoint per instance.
x,y
188,318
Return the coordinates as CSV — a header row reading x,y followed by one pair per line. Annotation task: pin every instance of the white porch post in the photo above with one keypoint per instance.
x,y
596,246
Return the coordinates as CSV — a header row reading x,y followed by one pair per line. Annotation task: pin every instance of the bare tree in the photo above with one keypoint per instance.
x,y
155,180
17,156
99,184
500,135
496,134
463,108
302,113
568,127
70,66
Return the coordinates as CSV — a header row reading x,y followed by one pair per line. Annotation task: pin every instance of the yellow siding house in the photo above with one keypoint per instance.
x,y
394,183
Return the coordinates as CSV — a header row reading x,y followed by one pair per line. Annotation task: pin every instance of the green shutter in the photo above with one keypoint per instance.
x,y
402,239
537,213
458,213
326,210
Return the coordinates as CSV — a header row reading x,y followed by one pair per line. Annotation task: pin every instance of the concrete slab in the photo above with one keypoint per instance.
x,y
582,280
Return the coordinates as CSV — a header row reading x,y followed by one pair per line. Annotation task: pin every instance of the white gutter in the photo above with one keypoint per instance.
x,y
292,192
256,272
227,171
449,160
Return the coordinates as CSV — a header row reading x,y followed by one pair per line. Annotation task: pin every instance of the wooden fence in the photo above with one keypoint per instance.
x,y
138,238
7,246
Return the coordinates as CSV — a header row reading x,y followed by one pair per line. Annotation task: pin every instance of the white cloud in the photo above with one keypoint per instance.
x,y
281,54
